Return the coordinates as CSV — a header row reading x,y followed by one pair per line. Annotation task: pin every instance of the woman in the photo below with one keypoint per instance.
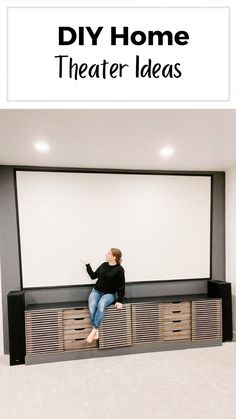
x,y
111,280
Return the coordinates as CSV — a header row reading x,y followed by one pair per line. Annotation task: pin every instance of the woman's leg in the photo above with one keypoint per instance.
x,y
104,302
93,300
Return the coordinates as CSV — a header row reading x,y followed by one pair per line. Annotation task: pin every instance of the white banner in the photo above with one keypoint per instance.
x,y
118,54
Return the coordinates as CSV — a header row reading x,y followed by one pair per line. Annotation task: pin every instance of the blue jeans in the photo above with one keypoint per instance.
x,y
97,302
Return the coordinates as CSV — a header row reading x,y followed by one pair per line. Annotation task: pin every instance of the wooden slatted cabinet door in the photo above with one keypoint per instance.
x,y
207,319
115,328
147,322
44,331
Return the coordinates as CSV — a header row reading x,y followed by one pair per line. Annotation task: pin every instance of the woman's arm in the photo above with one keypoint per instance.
x,y
93,275
121,286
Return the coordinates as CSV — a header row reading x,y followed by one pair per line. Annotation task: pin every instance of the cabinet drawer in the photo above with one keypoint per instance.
x,y
79,343
177,334
76,313
182,315
177,324
182,306
76,333
176,311
76,323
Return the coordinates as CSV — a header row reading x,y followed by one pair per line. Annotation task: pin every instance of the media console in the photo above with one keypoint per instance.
x,y
58,331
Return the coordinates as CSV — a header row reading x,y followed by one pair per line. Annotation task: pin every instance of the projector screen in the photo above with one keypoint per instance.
x,y
161,223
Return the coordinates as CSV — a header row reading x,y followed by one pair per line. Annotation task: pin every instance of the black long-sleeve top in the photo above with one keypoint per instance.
x,y
111,279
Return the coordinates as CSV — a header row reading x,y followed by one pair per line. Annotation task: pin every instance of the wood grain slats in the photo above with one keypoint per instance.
x,y
147,324
207,319
115,328
44,331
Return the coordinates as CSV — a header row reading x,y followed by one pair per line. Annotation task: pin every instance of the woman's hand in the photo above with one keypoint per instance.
x,y
85,261
118,305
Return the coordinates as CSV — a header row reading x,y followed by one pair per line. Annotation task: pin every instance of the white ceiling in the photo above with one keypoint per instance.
x,y
125,139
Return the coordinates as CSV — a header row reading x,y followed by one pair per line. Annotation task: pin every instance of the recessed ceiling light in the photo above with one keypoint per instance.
x,y
167,151
41,147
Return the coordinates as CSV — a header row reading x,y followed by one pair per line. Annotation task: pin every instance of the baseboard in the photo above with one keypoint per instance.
x,y
234,336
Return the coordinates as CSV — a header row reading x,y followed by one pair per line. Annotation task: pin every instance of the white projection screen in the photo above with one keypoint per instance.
x,y
160,222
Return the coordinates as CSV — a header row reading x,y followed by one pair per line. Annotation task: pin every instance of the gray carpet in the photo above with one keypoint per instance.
x,y
183,384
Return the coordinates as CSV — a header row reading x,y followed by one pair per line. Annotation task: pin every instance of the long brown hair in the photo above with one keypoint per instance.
x,y
117,253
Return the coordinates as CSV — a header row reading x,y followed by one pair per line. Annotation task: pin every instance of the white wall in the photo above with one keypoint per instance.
x,y
231,236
